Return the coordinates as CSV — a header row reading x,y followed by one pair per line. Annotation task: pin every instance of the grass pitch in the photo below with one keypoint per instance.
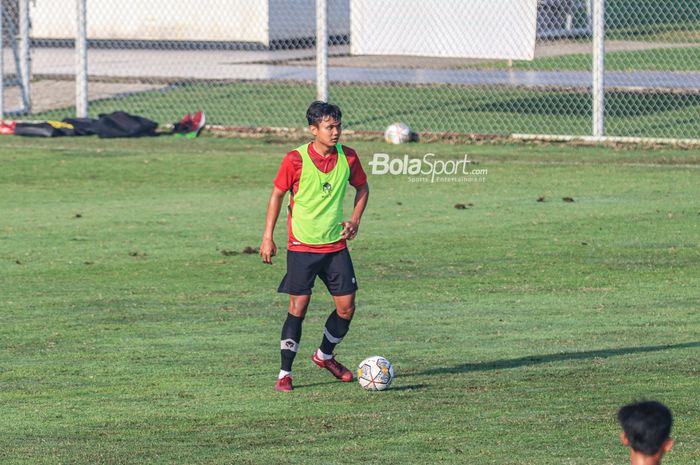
x,y
136,330
490,110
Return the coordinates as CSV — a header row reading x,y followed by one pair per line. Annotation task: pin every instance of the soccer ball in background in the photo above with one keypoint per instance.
x,y
397,133
375,373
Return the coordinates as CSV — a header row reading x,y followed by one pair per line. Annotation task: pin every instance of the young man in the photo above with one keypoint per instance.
x,y
646,430
316,175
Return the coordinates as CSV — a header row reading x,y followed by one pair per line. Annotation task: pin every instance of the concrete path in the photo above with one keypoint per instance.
x,y
49,94
120,71
170,65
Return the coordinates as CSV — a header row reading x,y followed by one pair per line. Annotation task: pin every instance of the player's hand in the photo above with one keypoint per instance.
x,y
268,249
349,230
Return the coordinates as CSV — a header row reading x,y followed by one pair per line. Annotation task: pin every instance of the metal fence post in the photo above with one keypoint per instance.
x,y
598,68
81,62
24,53
321,50
2,62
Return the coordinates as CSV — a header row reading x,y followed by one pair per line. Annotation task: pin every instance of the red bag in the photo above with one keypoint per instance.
x,y
7,127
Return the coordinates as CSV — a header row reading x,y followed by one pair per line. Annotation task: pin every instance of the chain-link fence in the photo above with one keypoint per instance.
x,y
252,63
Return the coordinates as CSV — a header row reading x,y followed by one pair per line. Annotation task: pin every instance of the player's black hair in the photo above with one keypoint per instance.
x,y
647,425
318,111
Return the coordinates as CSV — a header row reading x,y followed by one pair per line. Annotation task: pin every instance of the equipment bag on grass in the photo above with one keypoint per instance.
x,y
122,124
82,126
44,129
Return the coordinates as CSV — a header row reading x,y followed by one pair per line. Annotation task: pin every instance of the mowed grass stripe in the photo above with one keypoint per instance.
x,y
141,332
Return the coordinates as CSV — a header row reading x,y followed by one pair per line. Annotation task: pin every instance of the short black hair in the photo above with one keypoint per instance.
x,y
647,425
318,111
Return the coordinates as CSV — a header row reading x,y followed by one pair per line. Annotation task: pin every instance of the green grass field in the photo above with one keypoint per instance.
x,y
651,13
659,59
491,110
135,330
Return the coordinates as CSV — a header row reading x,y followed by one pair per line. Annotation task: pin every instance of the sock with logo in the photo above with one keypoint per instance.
x,y
335,331
289,342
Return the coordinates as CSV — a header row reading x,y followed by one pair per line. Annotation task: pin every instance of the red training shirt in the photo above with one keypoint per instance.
x,y
287,179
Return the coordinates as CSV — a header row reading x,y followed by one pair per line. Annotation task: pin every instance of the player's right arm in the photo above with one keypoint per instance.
x,y
268,248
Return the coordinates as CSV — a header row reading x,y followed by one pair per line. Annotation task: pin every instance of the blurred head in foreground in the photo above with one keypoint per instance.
x,y
646,430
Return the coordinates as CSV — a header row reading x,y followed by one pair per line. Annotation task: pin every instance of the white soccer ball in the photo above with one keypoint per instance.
x,y
397,133
375,373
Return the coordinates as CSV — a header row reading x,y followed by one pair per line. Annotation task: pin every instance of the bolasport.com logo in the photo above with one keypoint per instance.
x,y
428,168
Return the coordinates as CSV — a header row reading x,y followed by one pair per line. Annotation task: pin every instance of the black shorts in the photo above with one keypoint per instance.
x,y
335,270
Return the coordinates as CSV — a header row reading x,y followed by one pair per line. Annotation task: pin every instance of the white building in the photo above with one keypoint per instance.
x,y
264,22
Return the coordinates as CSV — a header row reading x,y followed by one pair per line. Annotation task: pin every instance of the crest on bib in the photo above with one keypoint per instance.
x,y
327,188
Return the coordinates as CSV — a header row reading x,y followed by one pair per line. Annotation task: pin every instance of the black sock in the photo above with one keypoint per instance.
x,y
336,329
289,345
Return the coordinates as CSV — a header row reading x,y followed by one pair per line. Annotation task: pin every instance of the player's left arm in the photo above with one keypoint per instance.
x,y
351,227
358,179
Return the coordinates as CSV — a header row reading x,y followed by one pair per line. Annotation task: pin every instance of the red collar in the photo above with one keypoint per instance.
x,y
313,152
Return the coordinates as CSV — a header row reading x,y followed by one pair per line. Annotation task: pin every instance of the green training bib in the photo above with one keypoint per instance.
x,y
318,203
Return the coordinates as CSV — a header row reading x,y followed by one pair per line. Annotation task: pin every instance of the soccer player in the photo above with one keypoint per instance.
x,y
646,430
316,175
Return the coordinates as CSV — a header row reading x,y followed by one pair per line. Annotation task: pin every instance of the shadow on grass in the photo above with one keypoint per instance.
x,y
578,104
549,358
410,387
407,387
310,385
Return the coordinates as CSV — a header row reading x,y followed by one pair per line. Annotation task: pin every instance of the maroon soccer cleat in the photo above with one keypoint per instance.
x,y
335,367
198,121
284,384
184,126
190,125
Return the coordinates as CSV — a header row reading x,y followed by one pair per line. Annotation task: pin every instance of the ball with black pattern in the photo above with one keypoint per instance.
x,y
375,373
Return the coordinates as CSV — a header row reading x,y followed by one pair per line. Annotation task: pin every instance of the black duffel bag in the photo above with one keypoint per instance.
x,y
44,129
122,124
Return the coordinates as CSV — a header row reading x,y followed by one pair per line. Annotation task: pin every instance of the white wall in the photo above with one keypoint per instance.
x,y
499,29
204,20
188,20
297,19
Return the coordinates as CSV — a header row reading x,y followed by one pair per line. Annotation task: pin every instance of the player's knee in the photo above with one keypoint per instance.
x,y
346,312
297,307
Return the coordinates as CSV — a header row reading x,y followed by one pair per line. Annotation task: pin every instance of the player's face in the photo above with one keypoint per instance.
x,y
327,132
